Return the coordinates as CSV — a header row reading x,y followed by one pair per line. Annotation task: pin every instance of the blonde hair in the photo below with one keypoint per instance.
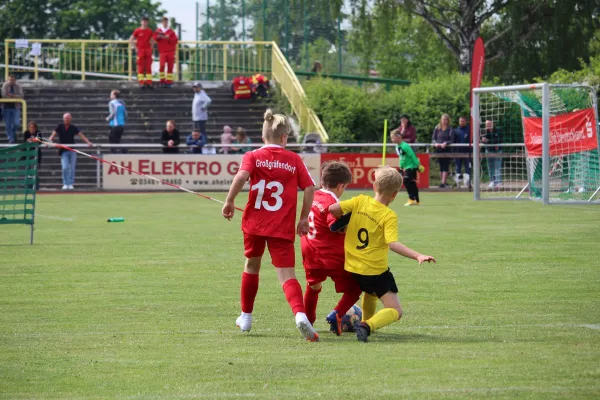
x,y
275,126
439,126
387,180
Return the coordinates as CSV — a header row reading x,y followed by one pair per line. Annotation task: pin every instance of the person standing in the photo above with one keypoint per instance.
x,y
200,108
407,130
143,39
66,133
462,135
409,167
170,138
166,40
116,119
12,111
490,137
443,137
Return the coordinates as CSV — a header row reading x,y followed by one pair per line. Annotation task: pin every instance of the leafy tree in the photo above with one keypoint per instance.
x,y
64,19
224,18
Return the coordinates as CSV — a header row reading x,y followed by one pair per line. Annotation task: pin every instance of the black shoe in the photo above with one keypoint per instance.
x,y
150,87
143,87
362,330
442,186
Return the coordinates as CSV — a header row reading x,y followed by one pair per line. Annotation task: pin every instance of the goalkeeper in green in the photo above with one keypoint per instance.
x,y
409,166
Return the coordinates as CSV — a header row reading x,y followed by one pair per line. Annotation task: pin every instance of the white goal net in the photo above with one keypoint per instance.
x,y
536,142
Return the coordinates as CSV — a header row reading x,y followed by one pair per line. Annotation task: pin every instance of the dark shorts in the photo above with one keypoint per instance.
x,y
377,284
444,164
409,174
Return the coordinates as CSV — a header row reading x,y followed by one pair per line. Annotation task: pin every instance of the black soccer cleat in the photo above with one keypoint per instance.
x,y
363,331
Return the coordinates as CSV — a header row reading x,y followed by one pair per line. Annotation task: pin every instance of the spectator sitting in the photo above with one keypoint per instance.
x,y
443,137
226,138
241,138
12,111
195,141
407,130
462,135
170,138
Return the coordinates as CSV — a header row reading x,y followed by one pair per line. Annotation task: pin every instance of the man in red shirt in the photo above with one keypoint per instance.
x,y
142,37
270,216
166,38
323,250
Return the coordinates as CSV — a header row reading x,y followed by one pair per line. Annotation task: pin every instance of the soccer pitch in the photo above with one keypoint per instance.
x,y
146,309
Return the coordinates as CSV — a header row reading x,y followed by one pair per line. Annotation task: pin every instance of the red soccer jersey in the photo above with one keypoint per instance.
x,y
275,176
143,37
322,248
166,44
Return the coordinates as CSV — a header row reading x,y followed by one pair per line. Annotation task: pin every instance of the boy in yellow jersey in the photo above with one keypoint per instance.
x,y
372,230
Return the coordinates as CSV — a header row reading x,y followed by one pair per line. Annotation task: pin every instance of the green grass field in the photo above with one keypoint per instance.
x,y
145,309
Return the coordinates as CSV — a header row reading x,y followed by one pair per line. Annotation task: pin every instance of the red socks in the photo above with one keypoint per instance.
x,y
348,299
293,295
311,297
248,292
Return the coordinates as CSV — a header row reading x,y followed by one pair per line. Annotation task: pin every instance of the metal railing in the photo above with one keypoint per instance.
x,y
114,59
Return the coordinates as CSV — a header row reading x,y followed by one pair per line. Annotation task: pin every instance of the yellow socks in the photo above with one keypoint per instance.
x,y
382,318
369,305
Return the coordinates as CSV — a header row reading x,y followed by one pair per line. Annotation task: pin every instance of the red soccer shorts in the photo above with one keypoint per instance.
x,y
282,251
343,280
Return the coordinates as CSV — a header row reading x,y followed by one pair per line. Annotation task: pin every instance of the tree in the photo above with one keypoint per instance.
x,y
224,15
398,44
64,19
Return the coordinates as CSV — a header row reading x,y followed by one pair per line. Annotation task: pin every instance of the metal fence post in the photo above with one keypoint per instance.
x,y
6,58
225,62
83,61
98,167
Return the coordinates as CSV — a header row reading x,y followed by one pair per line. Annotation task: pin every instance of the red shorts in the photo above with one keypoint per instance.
x,y
282,251
343,280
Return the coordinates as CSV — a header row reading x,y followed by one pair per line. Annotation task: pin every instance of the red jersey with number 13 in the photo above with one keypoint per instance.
x,y
275,176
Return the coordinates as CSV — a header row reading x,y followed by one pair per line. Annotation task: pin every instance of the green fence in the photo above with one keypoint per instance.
x,y
18,181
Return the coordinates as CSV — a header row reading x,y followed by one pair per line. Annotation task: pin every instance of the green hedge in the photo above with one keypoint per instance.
x,y
352,114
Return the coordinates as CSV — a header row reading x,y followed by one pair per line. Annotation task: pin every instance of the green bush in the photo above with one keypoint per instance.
x,y
352,114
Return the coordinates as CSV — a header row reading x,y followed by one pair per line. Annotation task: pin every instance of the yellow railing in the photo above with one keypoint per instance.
x,y
194,61
23,111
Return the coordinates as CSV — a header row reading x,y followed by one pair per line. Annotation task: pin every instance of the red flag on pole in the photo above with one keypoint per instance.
x,y
478,63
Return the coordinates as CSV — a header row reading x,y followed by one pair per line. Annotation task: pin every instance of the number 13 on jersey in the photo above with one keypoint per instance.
x,y
260,187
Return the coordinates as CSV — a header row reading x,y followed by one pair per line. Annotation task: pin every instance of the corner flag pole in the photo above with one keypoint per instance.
x,y
384,150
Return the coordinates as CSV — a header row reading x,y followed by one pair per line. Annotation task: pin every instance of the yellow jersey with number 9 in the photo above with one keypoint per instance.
x,y
373,226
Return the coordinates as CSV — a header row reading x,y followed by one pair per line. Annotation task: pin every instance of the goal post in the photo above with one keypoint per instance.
x,y
537,142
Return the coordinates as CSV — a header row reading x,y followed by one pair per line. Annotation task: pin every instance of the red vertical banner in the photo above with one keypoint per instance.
x,y
477,65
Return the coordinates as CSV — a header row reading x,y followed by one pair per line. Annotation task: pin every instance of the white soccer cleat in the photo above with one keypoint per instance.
x,y
306,328
244,322
491,185
65,187
70,187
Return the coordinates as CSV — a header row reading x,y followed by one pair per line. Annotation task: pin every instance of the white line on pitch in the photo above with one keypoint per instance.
x,y
55,218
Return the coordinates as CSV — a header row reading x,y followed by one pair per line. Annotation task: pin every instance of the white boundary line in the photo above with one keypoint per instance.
x,y
55,218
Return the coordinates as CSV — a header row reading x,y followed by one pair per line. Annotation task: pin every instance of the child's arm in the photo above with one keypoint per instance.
x,y
309,194
401,249
336,210
236,187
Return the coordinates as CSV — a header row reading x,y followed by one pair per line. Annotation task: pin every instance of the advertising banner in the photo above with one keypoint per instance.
x,y
363,167
192,171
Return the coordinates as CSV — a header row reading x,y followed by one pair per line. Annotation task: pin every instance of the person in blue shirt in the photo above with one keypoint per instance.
x,y
196,141
116,119
462,135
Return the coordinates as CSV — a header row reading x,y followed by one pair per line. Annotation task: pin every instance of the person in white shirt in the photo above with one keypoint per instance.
x,y
200,108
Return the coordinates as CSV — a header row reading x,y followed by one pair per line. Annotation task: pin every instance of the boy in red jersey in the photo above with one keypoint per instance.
x,y
166,39
269,217
323,250
143,39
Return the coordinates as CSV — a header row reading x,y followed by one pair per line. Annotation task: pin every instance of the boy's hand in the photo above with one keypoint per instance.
x,y
422,258
302,227
228,210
